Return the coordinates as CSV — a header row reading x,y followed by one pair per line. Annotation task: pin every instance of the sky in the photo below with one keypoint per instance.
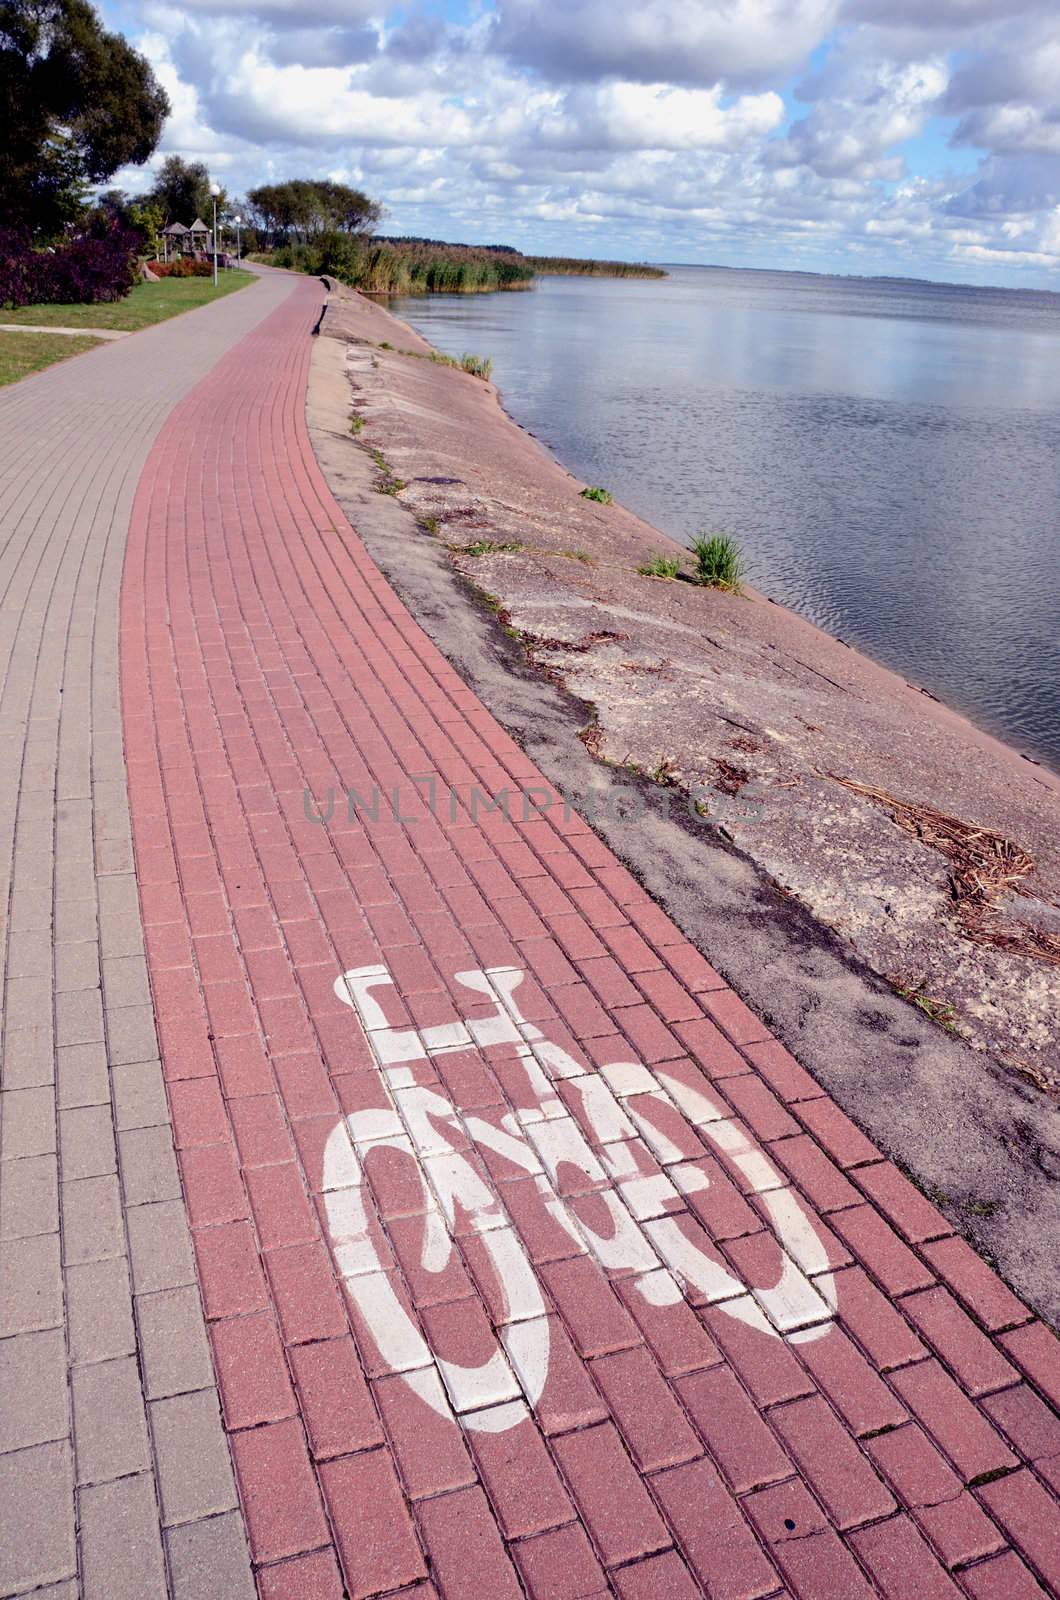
x,y
852,136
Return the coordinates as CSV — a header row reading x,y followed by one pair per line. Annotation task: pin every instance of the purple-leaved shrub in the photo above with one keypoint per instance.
x,y
84,268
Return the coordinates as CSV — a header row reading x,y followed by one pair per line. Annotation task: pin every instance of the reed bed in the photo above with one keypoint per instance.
x,y
423,266
574,267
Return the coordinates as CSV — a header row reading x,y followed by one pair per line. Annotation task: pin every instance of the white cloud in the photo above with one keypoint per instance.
x,y
661,128
676,41
638,116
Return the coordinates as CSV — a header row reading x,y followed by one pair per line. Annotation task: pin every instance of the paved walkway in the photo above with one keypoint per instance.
x,y
531,1264
92,1441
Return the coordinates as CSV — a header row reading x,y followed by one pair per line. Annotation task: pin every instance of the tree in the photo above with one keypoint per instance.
x,y
148,221
304,207
181,191
76,103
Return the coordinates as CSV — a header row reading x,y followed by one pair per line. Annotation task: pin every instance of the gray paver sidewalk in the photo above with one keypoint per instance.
x,y
114,1473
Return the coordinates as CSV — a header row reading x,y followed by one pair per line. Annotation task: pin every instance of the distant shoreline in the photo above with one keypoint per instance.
x,y
859,277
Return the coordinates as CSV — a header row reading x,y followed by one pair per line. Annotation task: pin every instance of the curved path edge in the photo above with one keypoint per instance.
x,y
108,1404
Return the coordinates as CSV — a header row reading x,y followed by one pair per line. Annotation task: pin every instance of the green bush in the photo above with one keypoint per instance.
x,y
603,496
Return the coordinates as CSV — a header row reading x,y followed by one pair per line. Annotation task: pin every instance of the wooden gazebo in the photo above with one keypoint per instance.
x,y
174,238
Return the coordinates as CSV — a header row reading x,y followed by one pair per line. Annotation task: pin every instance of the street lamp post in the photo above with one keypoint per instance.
x,y
239,247
215,190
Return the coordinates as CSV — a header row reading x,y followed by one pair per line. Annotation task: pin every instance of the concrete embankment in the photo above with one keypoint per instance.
x,y
877,876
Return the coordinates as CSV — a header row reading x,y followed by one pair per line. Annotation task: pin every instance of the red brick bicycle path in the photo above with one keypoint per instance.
x,y
889,1427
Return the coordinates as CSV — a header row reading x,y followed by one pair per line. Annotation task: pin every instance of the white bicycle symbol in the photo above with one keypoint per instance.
x,y
637,1174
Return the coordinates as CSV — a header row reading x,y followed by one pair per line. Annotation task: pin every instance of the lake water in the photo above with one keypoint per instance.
x,y
887,453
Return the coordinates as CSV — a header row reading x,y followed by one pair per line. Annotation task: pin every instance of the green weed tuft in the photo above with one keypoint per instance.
x,y
387,482
603,497
661,567
487,547
718,562
478,366
940,1011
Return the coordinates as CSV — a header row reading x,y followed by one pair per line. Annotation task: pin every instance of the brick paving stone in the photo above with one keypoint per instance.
x,y
110,1428
662,1577
714,1537
560,1566
974,1360
993,1305
764,1364
881,1331
466,1554
622,1521
252,1373
916,1219
900,1562
518,1474
120,1541
193,1466
93,1225
37,1526
890,1262
596,1319
148,1165
969,1440
1036,1351
842,1139
28,1197
27,1122
86,1142
99,1311
208,1560
29,1059
431,1455
831,1463
160,1250
279,1491
1027,1513
959,1530
1031,1426
311,1577
913,1467
820,1567
230,1270
34,1406
1004,1578
864,1401
378,1548
651,1422
733,1429
570,1399
174,1353
31,1295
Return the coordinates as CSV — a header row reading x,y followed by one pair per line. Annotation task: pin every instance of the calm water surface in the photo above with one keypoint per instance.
x,y
887,453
